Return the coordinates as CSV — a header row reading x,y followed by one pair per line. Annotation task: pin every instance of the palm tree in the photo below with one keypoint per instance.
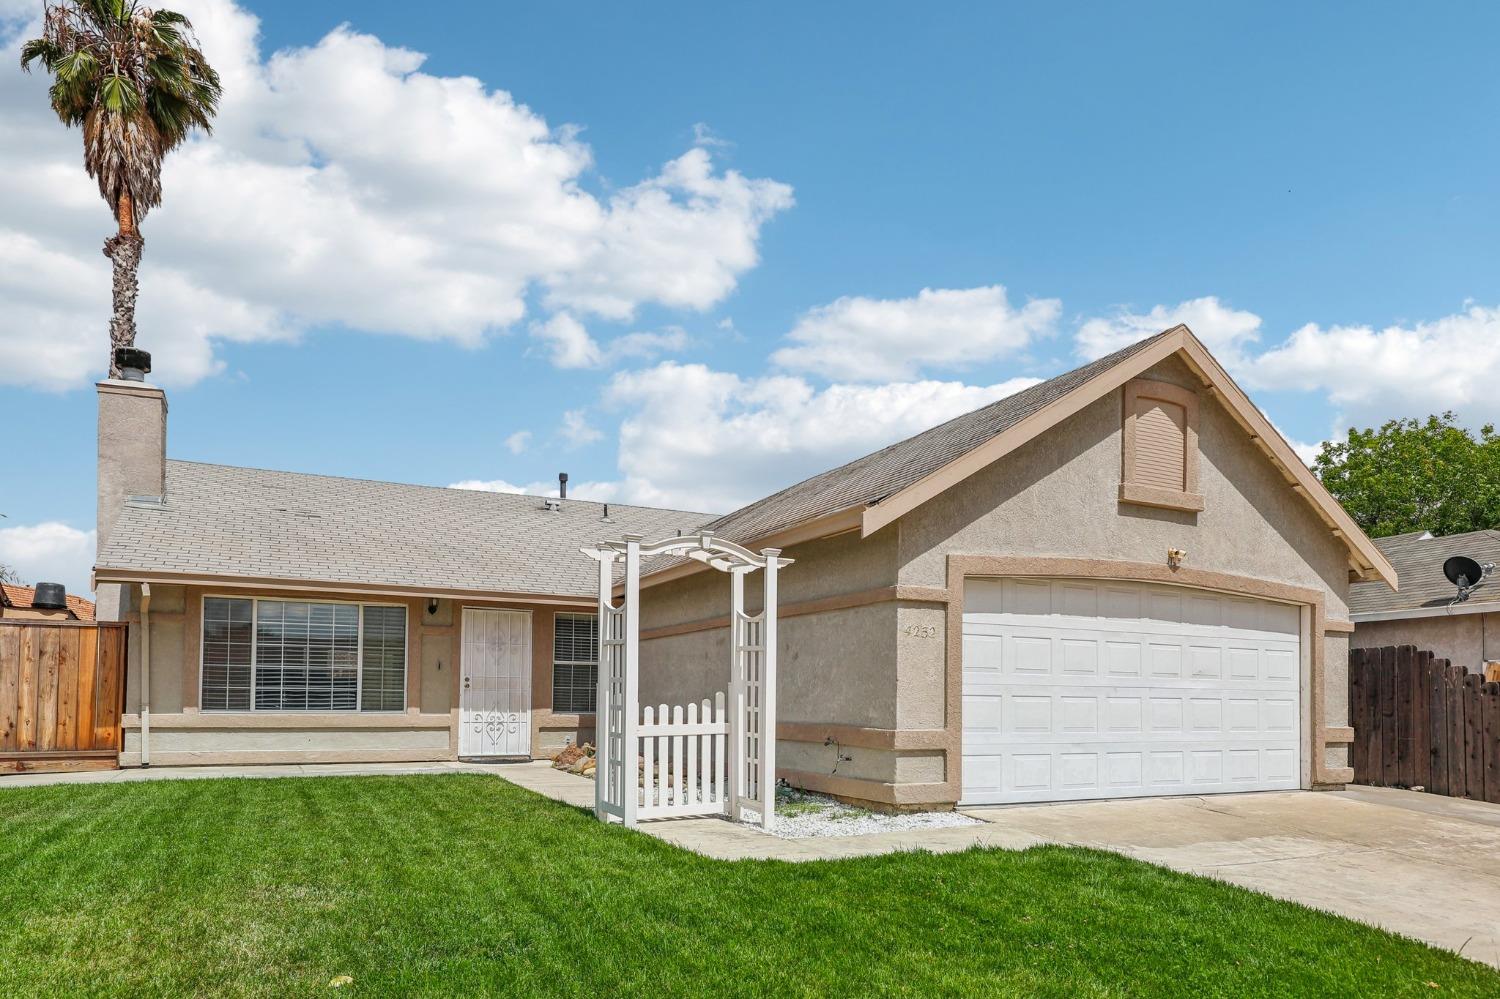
x,y
135,81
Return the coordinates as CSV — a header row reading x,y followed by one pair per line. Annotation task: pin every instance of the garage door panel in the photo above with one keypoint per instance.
x,y
1213,706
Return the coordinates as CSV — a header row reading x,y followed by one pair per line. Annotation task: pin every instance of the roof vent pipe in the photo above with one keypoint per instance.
x,y
562,485
50,596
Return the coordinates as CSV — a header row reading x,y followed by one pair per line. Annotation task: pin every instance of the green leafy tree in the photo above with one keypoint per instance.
x,y
1416,475
134,80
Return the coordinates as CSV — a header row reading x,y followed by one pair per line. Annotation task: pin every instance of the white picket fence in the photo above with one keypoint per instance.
x,y
684,760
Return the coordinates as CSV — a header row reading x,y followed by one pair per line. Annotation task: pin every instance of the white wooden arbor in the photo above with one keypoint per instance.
x,y
704,761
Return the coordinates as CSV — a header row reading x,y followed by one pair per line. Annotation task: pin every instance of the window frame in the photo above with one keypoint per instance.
x,y
1187,499
556,662
359,674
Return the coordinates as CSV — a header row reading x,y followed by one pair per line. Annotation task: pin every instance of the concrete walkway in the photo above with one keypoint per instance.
x,y
1413,863
1417,864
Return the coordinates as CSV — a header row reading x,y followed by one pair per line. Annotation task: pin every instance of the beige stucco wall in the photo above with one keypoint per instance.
x,y
837,667
427,730
1467,640
883,668
1058,495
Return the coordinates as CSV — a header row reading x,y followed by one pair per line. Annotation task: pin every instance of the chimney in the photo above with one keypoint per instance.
x,y
562,485
132,444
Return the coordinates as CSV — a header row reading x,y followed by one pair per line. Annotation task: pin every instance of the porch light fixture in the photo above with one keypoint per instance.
x,y
432,604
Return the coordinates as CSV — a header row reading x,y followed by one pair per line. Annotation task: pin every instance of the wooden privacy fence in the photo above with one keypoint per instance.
x,y
62,694
1423,722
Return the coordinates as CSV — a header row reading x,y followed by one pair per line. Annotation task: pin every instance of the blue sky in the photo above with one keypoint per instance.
x,y
691,230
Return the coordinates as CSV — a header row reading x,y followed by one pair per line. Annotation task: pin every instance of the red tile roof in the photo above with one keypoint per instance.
x,y
21,597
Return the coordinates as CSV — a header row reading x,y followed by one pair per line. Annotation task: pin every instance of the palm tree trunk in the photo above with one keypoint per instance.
x,y
124,251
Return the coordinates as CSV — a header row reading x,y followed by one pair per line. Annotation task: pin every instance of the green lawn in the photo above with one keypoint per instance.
x,y
466,884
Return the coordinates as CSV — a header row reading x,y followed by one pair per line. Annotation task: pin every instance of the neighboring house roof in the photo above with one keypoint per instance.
x,y
21,598
875,490
244,524
1425,591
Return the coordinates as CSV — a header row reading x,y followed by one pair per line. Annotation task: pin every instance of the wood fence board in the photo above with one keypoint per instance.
x,y
1437,732
1421,726
66,736
1359,715
1452,688
10,682
110,693
1406,679
26,698
1387,723
46,691
88,670
1473,737
1491,710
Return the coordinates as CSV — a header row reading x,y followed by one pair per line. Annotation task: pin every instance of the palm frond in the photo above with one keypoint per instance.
x,y
134,79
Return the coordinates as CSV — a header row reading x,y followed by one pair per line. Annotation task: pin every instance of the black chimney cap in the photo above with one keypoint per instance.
x,y
133,357
562,485
50,596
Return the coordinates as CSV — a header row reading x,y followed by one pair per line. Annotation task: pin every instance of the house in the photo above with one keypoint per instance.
x,y
1118,582
1425,612
22,602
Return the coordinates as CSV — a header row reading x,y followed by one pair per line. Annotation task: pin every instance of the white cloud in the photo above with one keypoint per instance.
x,y
1225,331
49,552
681,238
1411,369
569,344
489,486
870,339
602,492
310,206
576,429
518,441
699,439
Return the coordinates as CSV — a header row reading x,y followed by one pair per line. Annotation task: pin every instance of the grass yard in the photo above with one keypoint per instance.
x,y
465,884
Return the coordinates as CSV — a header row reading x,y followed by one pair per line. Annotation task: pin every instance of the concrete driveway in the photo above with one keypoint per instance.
x,y
1421,865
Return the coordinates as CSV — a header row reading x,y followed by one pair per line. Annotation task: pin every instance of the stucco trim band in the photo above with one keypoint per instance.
x,y
234,758
962,567
876,792
862,737
821,605
345,721
336,586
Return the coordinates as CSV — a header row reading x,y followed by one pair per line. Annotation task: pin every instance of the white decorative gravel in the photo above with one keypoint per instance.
x,y
801,814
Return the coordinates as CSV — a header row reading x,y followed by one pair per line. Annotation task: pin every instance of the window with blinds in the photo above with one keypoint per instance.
x,y
575,662
1160,466
294,655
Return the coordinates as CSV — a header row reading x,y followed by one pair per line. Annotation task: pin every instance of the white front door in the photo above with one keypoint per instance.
x,y
495,700
1080,688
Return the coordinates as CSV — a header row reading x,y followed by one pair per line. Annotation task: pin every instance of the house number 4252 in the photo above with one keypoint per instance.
x,y
921,631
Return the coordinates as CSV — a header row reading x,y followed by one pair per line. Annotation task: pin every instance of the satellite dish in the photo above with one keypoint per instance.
x,y
1465,573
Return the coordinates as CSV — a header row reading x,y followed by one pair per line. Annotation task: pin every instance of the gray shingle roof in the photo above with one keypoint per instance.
x,y
875,476
1418,558
220,520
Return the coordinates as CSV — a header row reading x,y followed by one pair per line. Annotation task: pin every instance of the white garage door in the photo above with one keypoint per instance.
x,y
1094,689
